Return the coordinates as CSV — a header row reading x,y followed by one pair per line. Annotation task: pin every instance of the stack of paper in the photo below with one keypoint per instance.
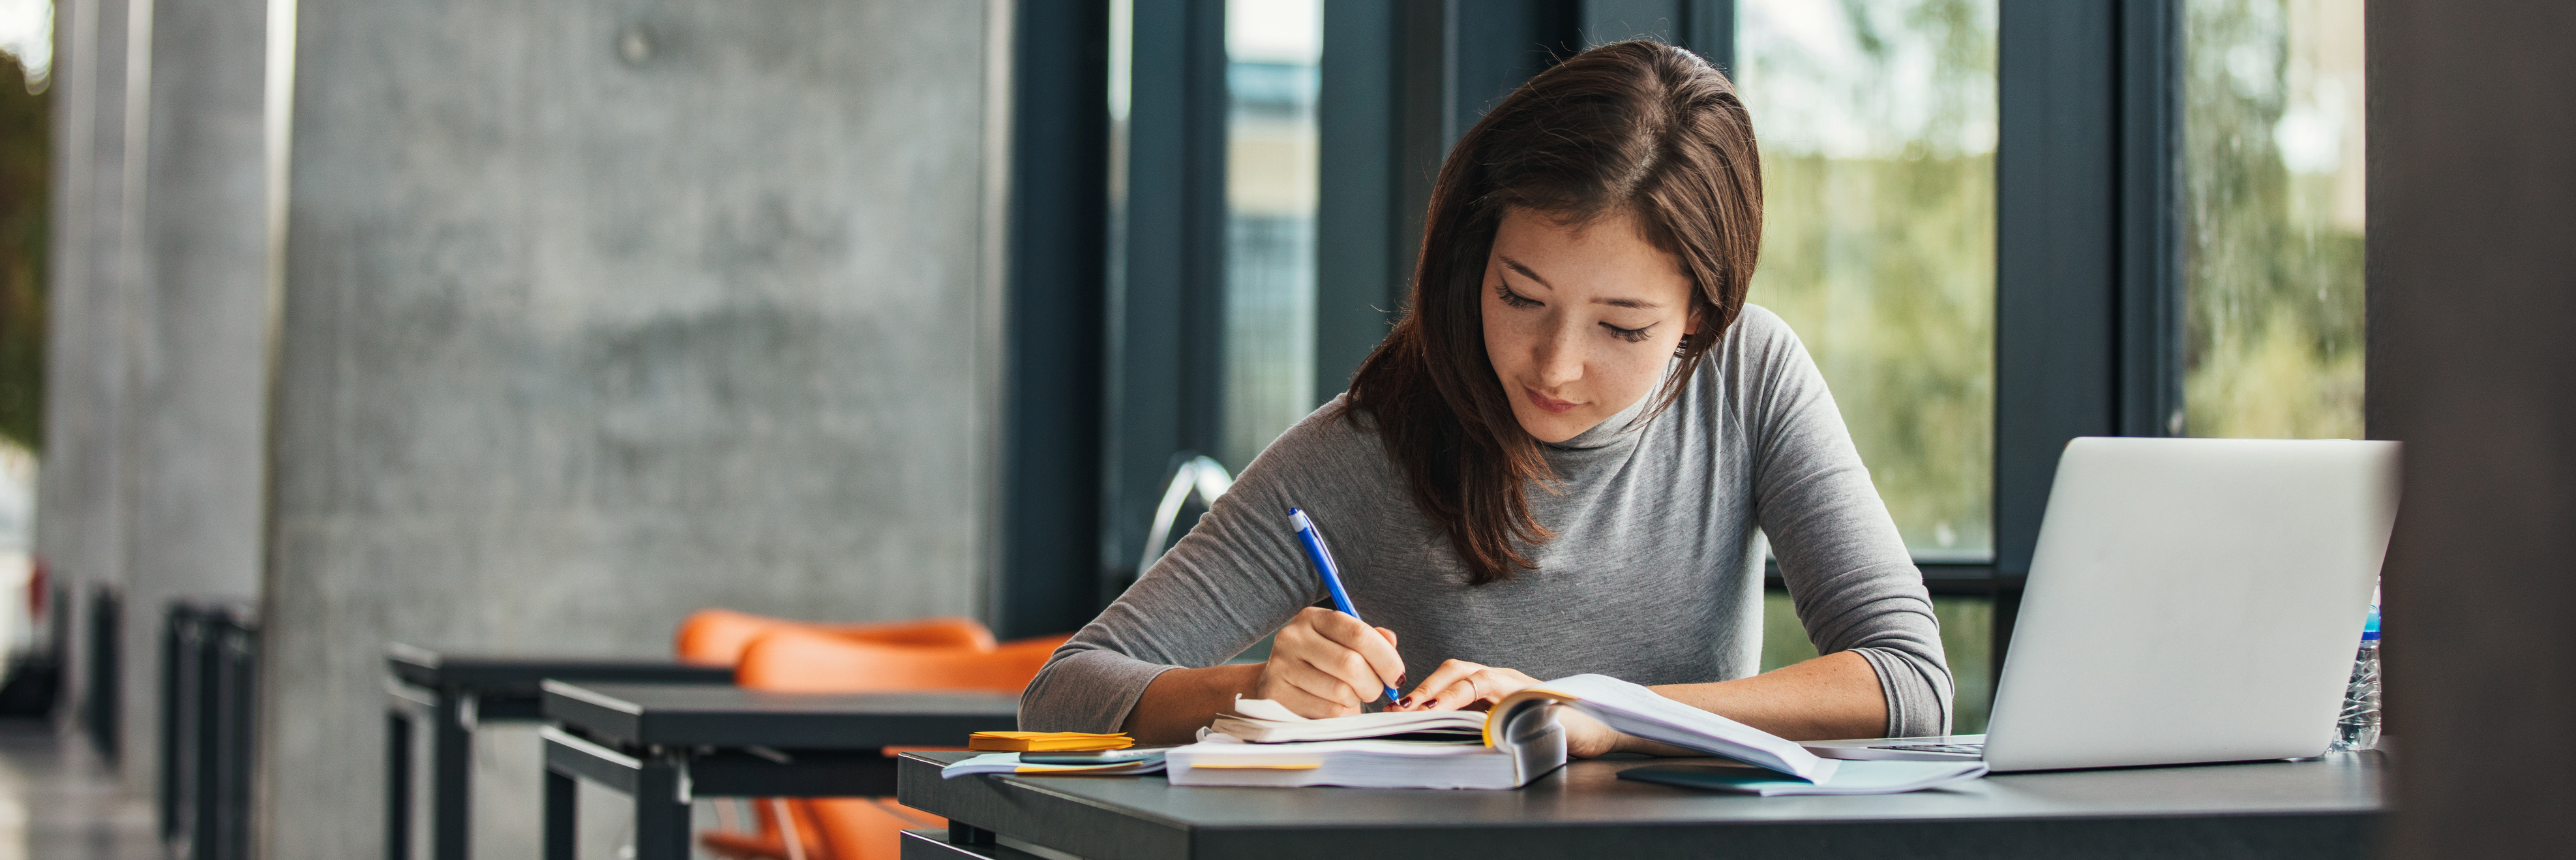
x,y
1362,764
1010,763
1526,748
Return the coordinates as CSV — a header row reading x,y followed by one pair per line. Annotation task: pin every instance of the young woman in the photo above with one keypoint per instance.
x,y
1555,464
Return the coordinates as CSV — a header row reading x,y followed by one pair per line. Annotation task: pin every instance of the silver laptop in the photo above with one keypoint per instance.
x,y
2190,600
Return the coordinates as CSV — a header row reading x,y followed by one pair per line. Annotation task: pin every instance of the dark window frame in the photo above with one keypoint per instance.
x,y
1165,341
1055,316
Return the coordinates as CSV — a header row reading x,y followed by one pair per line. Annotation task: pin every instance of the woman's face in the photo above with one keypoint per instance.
x,y
1580,320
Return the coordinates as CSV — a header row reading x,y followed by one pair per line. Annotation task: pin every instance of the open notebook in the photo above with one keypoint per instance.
x,y
1514,743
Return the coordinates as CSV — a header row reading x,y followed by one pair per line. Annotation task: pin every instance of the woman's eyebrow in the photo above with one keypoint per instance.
x,y
1526,272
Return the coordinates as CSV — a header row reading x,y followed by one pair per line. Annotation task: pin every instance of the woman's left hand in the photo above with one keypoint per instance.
x,y
1458,685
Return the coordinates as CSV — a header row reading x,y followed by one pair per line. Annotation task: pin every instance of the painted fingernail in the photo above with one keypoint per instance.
x,y
1400,679
1405,702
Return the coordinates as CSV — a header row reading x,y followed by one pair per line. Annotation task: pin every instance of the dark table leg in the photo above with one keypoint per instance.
x,y
451,773
661,816
562,817
397,785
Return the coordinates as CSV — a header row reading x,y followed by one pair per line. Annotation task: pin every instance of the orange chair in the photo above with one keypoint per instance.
x,y
799,660
716,637
803,659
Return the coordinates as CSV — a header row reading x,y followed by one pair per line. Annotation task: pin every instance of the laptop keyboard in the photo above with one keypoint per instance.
x,y
1957,749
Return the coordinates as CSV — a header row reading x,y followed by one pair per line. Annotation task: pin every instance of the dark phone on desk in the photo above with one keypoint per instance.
x,y
1091,756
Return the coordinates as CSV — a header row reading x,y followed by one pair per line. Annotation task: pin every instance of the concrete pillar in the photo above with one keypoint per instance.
x,y
80,516
596,312
196,324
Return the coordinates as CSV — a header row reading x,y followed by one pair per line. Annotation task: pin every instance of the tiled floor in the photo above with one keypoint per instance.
x,y
57,802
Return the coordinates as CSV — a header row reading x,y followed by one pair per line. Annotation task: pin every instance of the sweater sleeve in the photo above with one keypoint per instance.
x,y
1852,579
1236,577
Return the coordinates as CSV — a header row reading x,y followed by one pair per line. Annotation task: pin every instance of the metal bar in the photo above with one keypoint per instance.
x,y
408,698
207,774
238,720
2151,286
168,794
102,705
661,811
929,844
398,754
451,763
575,756
562,816
179,752
968,834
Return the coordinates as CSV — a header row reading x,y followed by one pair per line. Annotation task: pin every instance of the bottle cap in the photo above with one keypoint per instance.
x,y
2370,628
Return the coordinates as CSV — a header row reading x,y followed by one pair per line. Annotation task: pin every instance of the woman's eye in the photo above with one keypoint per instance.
x,y
1504,291
1631,335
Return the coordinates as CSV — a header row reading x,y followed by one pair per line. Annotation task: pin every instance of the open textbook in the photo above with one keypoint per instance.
x,y
1264,744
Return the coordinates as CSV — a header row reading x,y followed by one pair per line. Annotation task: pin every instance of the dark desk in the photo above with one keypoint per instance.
x,y
454,693
2321,808
665,745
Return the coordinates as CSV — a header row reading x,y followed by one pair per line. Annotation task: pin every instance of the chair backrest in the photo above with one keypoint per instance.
x,y
717,637
821,661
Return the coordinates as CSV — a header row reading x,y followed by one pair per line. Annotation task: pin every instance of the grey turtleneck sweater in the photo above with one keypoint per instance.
x,y
1655,574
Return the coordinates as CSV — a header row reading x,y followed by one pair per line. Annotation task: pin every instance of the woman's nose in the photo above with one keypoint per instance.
x,y
1559,362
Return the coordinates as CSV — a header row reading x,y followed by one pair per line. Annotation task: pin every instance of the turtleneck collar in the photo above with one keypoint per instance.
x,y
1610,431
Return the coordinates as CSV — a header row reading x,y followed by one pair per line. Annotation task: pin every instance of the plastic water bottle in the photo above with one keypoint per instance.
x,y
2358,728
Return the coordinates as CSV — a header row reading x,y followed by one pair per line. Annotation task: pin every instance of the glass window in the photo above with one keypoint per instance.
x,y
1964,621
1877,123
1272,47
2272,235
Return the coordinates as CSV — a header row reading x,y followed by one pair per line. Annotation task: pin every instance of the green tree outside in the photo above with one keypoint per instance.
x,y
1879,238
2272,165
25,167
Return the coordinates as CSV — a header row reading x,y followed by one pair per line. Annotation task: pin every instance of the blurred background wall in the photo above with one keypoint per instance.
x,y
512,327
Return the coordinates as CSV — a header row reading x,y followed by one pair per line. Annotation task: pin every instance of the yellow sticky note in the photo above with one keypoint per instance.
x,y
1046,741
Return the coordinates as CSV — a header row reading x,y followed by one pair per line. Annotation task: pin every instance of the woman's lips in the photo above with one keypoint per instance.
x,y
1550,404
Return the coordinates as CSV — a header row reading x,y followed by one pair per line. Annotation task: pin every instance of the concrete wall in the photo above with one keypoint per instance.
x,y
598,312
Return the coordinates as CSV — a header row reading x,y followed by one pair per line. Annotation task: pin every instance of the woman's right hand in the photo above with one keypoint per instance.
x,y
1327,664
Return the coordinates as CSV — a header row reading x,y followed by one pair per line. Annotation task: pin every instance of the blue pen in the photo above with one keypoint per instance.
x,y
1332,573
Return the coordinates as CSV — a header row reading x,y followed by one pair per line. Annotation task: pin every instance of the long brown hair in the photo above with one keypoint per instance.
x,y
1640,128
